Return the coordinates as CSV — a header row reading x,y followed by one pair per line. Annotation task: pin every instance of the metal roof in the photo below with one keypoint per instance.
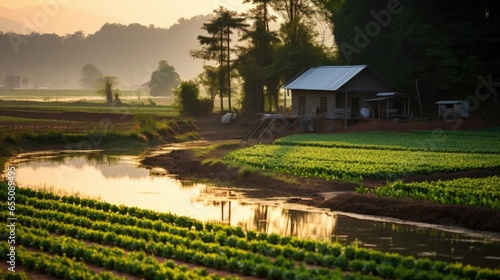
x,y
329,78
388,95
449,102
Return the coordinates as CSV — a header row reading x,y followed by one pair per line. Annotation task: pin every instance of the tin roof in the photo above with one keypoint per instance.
x,y
448,102
329,78
388,95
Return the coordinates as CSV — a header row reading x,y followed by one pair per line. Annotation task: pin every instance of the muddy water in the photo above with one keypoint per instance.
x,y
118,179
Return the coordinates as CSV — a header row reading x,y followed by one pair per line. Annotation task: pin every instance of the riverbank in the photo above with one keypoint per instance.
x,y
334,195
206,165
37,130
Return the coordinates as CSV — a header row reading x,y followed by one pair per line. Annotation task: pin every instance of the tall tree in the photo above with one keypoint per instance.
x,y
209,79
298,49
217,47
90,75
164,80
256,56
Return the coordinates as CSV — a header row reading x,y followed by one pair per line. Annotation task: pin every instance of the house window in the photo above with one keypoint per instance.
x,y
340,100
323,104
302,105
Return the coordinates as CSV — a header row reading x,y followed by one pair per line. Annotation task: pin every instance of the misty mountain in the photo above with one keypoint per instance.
x,y
48,18
130,52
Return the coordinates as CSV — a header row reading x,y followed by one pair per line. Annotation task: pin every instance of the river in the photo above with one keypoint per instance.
x,y
118,178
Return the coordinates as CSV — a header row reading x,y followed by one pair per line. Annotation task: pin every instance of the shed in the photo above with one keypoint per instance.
x,y
334,92
393,104
453,109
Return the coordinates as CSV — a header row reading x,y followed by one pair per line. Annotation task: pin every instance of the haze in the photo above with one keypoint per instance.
x,y
90,15
54,62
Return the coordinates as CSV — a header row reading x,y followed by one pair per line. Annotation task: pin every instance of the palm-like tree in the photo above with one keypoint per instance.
x,y
218,47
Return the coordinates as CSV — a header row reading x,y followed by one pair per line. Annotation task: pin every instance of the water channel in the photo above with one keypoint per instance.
x,y
117,178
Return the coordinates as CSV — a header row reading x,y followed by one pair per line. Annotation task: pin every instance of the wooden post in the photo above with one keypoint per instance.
x,y
379,115
345,110
419,100
284,109
387,110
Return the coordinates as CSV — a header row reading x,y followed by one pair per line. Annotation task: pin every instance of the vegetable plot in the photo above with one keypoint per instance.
x,y
483,192
67,233
464,141
355,164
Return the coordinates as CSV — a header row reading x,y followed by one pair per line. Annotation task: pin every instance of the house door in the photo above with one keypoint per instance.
x,y
302,106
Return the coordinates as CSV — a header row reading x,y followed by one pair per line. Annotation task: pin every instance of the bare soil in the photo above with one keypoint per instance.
x,y
70,122
335,195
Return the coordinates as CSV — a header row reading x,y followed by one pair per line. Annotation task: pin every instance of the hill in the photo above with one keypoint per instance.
x,y
130,52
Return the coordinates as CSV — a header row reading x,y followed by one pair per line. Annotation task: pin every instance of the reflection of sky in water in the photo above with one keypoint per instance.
x,y
118,180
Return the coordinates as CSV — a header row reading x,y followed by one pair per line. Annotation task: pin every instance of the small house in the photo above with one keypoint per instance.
x,y
334,92
453,109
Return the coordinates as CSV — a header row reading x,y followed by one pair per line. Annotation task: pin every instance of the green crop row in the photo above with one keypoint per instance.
x,y
349,258
221,247
135,263
464,141
233,260
61,267
356,164
483,192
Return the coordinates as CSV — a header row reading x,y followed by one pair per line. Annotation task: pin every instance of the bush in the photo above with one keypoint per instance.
x,y
188,102
205,106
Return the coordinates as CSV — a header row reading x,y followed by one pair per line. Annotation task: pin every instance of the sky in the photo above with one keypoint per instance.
x,y
161,13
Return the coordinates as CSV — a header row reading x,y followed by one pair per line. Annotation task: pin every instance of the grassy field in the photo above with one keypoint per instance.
x,y
68,236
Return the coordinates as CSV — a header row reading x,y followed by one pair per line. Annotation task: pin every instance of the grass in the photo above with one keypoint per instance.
x,y
205,151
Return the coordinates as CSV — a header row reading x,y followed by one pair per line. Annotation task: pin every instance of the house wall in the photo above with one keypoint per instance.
x,y
366,81
312,104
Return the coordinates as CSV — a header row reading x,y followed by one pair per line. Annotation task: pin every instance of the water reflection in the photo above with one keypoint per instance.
x,y
119,180
270,216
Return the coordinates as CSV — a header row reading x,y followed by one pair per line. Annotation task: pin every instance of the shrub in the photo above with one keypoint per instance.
x,y
188,102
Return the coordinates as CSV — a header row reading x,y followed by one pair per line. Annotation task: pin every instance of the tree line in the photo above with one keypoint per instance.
x,y
448,47
130,52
